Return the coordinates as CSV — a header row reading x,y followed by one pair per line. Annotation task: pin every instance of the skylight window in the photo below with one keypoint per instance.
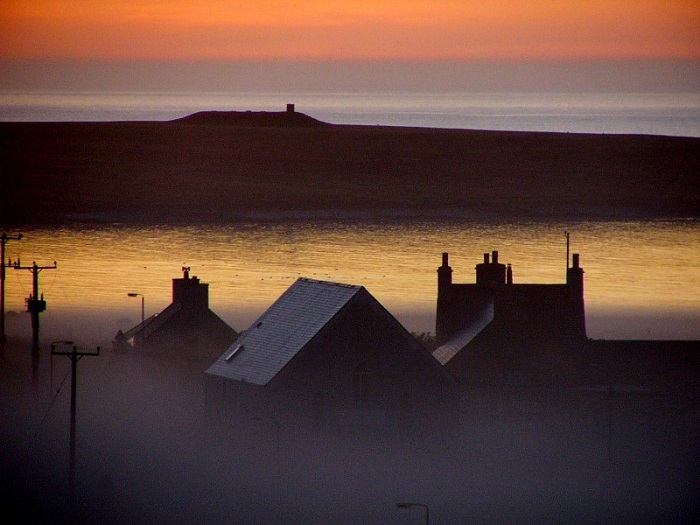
x,y
233,352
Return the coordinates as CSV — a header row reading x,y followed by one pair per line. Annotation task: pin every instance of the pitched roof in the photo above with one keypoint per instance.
x,y
283,330
129,334
152,323
160,320
451,348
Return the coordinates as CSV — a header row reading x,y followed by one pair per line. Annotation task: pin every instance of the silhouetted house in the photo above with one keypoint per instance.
x,y
643,366
495,331
187,328
333,360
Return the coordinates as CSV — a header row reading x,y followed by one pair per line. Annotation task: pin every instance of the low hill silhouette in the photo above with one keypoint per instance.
x,y
226,166
252,118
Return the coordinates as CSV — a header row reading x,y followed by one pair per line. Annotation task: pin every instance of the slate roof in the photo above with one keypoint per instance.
x,y
451,348
129,334
157,321
283,330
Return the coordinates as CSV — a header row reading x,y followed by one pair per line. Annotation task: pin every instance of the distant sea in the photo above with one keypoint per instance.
x,y
675,114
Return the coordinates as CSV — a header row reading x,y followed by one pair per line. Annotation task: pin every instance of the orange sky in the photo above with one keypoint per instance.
x,y
349,29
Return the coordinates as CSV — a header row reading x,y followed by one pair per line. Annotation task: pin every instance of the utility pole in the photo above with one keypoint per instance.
x,y
35,306
75,356
3,241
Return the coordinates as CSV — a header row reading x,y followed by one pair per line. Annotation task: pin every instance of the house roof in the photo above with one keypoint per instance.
x,y
160,320
152,323
283,330
129,334
451,348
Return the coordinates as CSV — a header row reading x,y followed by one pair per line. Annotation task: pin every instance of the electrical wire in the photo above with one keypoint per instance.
x,y
35,434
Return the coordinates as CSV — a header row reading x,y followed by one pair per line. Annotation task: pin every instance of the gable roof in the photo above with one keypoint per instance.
x,y
151,324
159,320
445,352
129,334
283,330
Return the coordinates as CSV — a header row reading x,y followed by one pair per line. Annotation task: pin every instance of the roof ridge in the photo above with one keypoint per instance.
x,y
329,283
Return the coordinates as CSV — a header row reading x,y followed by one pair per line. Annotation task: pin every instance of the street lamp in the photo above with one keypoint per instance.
x,y
411,505
131,294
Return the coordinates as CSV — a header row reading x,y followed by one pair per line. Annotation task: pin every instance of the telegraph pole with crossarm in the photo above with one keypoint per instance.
x,y
74,356
35,305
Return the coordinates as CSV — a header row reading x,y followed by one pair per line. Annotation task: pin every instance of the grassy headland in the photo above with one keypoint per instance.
x,y
225,166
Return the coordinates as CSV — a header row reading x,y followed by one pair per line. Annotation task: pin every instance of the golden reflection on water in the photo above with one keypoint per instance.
x,y
637,266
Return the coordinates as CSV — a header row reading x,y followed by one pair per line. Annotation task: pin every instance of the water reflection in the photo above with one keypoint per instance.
x,y
635,271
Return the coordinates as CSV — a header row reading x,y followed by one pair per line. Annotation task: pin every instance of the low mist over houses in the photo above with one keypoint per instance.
x,y
333,358
326,409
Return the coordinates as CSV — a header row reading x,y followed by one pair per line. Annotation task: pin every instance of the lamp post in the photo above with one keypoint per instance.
x,y
143,299
411,505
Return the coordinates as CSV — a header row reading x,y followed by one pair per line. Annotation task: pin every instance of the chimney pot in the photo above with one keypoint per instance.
x,y
494,254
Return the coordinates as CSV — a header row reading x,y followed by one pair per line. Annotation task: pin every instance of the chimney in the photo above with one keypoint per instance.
x,y
290,108
509,274
444,275
189,292
491,273
574,281
444,299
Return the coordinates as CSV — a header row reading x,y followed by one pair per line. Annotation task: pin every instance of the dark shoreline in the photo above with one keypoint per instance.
x,y
223,167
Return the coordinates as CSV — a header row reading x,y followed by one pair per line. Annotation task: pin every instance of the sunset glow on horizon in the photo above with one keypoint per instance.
x,y
348,30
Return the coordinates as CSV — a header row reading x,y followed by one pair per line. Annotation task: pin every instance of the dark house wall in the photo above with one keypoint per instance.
x,y
366,363
192,334
657,366
362,375
535,333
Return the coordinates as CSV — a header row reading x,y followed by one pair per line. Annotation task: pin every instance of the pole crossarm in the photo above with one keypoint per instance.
x,y
34,303
79,354
34,267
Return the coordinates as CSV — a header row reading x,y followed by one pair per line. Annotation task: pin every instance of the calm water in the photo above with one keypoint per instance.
x,y
645,113
642,278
